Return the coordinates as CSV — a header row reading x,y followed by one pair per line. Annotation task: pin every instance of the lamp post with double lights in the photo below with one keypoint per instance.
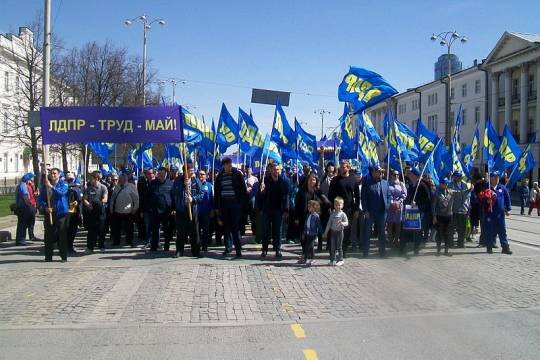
x,y
147,25
322,112
447,38
173,83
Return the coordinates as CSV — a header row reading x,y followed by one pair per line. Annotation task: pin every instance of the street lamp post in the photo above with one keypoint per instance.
x,y
322,112
447,38
147,25
173,82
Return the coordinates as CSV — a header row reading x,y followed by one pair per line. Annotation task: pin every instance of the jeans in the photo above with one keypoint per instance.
x,y
159,220
96,230
204,230
72,229
459,222
187,228
272,228
230,215
444,231
336,245
121,223
307,245
25,218
56,233
379,221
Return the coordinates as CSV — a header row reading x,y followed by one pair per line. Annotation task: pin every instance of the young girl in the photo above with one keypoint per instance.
x,y
312,228
337,222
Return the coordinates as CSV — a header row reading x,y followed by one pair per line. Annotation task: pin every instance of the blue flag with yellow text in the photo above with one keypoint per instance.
x,y
227,134
491,144
524,164
306,145
102,150
283,134
364,88
367,145
509,151
470,151
426,140
349,139
251,139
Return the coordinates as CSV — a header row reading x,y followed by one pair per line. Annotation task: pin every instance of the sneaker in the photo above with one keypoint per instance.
x,y
332,263
147,246
311,262
340,263
302,261
20,243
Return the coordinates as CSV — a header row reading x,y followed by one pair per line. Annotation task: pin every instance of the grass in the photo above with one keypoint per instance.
x,y
5,200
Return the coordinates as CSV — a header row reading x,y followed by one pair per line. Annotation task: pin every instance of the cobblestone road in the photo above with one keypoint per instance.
x,y
209,291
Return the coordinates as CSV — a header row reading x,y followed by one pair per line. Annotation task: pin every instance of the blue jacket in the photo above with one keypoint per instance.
x,y
59,198
178,194
372,200
524,192
314,226
206,204
503,201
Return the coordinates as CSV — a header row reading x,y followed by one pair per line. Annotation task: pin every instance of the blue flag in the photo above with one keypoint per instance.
x,y
491,144
364,88
455,135
306,145
524,164
470,151
251,139
426,140
271,151
283,134
365,122
401,138
367,146
349,137
227,130
102,150
509,151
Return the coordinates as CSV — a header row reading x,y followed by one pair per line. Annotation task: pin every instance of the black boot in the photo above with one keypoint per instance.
x,y
489,250
506,250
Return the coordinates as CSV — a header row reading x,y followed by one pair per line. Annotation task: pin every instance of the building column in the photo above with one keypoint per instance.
x,y
524,104
507,97
495,98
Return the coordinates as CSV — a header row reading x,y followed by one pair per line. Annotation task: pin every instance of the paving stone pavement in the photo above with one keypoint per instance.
x,y
190,291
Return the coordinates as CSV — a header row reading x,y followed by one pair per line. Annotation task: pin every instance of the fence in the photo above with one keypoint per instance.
x,y
8,186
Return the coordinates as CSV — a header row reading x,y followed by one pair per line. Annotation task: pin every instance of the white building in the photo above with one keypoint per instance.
x,y
15,159
504,87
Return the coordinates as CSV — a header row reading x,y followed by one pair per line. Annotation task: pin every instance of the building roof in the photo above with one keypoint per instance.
x,y
534,38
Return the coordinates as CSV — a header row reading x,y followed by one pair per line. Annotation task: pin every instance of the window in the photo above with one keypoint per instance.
x,y
452,92
477,114
452,115
6,81
432,99
415,104
414,124
515,88
477,87
532,89
463,117
464,90
432,122
402,108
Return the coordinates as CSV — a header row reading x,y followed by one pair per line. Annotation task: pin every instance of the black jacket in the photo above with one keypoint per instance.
x,y
275,195
239,186
347,188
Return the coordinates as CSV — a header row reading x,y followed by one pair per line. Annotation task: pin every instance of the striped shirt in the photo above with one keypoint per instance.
x,y
227,191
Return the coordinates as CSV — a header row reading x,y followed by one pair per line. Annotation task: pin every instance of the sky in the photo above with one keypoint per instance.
x,y
224,48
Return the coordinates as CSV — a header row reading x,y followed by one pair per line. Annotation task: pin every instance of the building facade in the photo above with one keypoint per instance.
x,y
15,157
503,87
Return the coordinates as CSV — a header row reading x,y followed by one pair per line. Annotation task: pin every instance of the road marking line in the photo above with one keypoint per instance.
x,y
525,246
310,354
298,331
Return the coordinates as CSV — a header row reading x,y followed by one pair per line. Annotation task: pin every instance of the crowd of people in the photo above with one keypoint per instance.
x,y
338,209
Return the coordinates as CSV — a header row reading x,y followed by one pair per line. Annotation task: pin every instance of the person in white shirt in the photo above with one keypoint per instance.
x,y
123,207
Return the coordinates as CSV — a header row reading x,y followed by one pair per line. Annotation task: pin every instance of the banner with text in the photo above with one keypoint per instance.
x,y
83,124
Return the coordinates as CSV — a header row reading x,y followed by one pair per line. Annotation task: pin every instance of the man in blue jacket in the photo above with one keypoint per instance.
x,y
496,209
53,199
375,203
205,207
186,225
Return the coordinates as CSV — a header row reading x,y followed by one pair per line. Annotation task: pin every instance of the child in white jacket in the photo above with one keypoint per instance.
x,y
337,222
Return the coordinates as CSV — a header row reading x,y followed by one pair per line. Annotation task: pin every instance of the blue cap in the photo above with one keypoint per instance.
x,y
494,173
416,171
444,181
27,176
358,171
457,174
174,168
376,167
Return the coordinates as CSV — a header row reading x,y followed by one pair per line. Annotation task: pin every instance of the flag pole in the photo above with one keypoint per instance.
x,y
187,188
424,168
388,148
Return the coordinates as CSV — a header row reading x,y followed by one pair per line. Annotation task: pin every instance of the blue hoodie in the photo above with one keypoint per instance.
x,y
59,198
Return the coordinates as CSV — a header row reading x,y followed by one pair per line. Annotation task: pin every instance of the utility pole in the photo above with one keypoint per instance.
x,y
322,112
46,72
